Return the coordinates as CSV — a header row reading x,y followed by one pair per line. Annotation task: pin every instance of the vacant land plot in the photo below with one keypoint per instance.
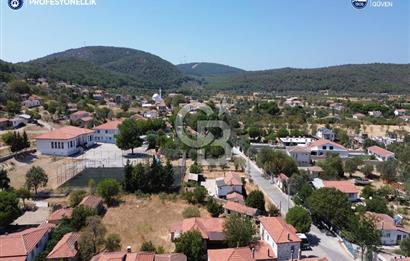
x,y
142,219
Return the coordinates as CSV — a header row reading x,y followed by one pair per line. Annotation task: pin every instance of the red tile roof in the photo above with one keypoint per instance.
x,y
64,133
279,230
210,228
263,251
345,186
4,120
91,201
234,196
385,222
66,247
111,125
230,254
380,151
240,208
17,245
59,214
282,177
322,142
233,179
80,113
315,259
139,256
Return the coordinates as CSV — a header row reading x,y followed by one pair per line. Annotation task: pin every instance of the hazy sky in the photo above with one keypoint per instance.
x,y
250,34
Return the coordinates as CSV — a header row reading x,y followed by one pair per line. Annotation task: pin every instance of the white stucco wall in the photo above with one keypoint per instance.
x,y
389,237
106,136
283,251
70,146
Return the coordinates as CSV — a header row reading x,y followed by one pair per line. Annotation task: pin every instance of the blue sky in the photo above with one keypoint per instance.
x,y
250,34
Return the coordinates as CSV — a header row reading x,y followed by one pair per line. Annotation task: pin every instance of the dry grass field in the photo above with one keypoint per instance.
x,y
143,219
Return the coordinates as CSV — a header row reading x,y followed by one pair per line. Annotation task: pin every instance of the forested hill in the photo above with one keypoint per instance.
x,y
367,78
207,69
106,66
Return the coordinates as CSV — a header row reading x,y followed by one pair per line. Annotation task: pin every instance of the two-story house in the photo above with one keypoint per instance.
x,y
325,133
322,146
281,237
107,132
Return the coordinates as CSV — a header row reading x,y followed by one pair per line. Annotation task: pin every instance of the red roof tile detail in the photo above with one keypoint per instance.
x,y
279,230
111,125
233,179
380,151
345,186
65,133
66,247
240,208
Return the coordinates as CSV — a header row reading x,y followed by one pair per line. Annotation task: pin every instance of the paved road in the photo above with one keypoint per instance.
x,y
322,245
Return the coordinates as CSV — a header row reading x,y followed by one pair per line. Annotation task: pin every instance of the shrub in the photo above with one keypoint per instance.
x,y
190,212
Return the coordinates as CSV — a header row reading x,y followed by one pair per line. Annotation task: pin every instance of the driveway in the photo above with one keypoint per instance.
x,y
322,245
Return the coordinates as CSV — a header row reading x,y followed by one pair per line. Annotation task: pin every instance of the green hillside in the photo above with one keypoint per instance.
x,y
106,66
207,69
380,78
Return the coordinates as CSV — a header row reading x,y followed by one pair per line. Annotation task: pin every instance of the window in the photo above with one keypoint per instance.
x,y
52,145
62,145
58,144
330,147
106,131
323,147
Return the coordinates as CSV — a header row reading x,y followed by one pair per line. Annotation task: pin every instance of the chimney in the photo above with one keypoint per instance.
x,y
128,249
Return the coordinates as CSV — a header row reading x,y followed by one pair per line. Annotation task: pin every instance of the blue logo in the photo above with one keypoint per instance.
x,y
15,4
359,4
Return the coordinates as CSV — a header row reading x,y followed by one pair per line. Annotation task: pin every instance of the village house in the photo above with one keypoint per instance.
x,y
380,154
24,245
65,141
93,202
58,215
392,233
32,101
293,102
232,182
211,229
66,249
138,256
20,120
399,112
281,237
375,114
300,154
81,118
107,132
232,207
236,197
358,116
345,186
314,171
322,146
295,141
326,134
259,252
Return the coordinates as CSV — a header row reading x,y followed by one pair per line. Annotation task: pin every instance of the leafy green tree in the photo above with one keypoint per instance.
x,y
332,167
367,192
92,186
239,231
282,133
9,208
330,205
147,246
4,180
276,162
273,211
97,231
362,231
79,216
113,242
24,194
296,182
405,246
129,135
190,212
300,218
36,177
388,170
195,168
377,204
190,243
256,199
13,107
254,132
86,245
367,170
108,189
351,165
214,208
76,196
197,196
303,194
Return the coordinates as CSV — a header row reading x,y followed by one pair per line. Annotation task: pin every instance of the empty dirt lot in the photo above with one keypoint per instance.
x,y
143,219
